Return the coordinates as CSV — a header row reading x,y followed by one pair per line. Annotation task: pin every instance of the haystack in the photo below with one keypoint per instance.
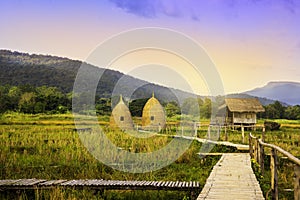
x,y
121,117
153,117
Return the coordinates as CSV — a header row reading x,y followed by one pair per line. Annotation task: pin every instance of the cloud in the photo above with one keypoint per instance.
x,y
290,5
194,8
144,8
153,8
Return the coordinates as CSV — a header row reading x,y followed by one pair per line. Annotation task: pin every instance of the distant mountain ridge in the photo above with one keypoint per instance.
x,y
288,92
18,68
37,70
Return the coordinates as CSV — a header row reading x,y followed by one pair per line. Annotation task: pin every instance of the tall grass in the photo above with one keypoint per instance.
x,y
47,147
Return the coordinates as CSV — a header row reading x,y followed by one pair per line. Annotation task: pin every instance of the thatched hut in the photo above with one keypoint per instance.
x,y
153,117
121,117
242,111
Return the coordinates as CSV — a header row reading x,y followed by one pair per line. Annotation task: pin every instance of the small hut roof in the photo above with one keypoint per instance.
x,y
121,110
244,105
153,108
151,102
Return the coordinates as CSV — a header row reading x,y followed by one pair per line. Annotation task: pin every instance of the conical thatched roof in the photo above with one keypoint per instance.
x,y
121,117
153,116
244,105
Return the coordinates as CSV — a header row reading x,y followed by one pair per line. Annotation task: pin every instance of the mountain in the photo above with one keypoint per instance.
x,y
288,92
18,68
37,70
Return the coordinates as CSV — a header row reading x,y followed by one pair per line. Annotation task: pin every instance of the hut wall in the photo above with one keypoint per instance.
x,y
244,118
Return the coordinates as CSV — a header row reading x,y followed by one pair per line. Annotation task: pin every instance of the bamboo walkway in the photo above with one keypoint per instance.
x,y
98,184
232,178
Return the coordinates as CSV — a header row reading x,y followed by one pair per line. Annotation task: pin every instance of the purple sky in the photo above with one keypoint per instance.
x,y
254,41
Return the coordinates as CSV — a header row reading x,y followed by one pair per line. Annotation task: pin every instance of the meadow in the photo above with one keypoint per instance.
x,y
48,147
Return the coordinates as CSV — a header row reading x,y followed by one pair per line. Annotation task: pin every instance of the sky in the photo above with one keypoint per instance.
x,y
250,42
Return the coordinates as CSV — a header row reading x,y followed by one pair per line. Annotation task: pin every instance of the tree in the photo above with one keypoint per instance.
x,y
205,110
50,99
280,108
274,111
172,109
292,112
4,100
191,106
27,102
14,95
103,106
136,107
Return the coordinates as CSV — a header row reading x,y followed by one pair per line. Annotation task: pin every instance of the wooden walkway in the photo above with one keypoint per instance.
x,y
98,184
242,147
232,178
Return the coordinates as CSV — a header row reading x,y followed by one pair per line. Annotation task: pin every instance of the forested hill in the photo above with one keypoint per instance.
x,y
38,70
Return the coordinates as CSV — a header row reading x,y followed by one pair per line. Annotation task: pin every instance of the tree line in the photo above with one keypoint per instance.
x,y
44,99
277,111
51,100
30,99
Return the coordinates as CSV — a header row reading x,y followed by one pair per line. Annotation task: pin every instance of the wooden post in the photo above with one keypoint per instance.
x,y
258,152
195,129
297,182
261,158
243,134
250,146
263,134
274,175
255,149
208,132
226,136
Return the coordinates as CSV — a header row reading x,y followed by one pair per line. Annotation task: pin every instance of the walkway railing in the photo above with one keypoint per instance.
x,y
256,148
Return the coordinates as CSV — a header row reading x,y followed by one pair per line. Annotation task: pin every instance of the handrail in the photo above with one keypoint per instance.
x,y
252,136
256,150
287,154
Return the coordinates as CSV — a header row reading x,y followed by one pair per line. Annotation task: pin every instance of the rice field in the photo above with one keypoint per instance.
x,y
47,147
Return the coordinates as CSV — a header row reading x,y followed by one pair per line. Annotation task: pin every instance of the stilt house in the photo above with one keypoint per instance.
x,y
242,111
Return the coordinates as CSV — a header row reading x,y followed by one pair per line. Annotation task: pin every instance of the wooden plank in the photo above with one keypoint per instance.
x,y
67,183
8,182
27,182
232,178
95,184
52,182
